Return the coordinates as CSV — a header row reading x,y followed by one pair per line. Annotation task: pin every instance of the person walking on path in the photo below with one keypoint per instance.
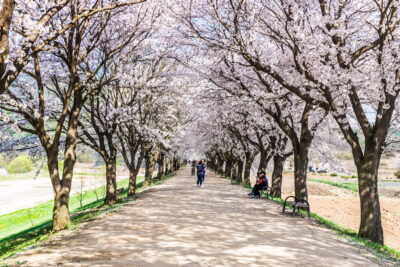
x,y
201,172
193,167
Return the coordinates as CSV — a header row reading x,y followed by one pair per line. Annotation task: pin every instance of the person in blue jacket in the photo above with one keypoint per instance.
x,y
201,172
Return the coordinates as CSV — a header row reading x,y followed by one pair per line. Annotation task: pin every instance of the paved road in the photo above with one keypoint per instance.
x,y
178,224
22,194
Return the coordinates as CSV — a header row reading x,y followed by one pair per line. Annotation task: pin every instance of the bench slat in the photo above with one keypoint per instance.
x,y
301,205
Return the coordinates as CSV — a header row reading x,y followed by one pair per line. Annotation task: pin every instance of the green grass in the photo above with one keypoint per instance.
x,y
344,156
349,186
24,228
27,218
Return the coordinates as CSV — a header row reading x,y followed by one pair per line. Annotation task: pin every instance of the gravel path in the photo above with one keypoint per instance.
x,y
178,224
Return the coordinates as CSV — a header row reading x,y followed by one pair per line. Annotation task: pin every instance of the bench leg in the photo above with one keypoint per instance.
x,y
294,210
284,206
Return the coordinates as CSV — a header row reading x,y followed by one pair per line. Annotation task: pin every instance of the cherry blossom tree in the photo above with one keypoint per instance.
x,y
341,56
50,95
28,27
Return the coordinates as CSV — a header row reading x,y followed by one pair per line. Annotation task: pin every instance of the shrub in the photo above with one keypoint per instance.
x,y
20,164
344,156
334,174
397,174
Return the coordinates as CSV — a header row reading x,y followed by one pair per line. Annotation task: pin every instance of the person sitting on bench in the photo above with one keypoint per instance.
x,y
262,182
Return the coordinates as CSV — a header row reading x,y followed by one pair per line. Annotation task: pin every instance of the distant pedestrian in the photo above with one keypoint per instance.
x,y
201,172
193,167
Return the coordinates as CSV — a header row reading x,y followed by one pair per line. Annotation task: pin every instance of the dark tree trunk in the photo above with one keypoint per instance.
x,y
6,15
276,186
300,173
161,167
62,188
167,166
234,168
240,170
151,158
220,169
247,169
228,168
264,159
134,168
61,217
215,164
177,164
367,170
111,181
132,182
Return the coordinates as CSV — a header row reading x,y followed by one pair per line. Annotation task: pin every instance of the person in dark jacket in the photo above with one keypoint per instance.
x,y
262,182
201,172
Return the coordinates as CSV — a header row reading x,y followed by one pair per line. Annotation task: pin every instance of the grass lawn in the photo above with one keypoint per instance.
x,y
349,186
17,176
28,226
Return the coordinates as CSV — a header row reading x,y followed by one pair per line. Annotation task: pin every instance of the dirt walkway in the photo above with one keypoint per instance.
x,y
178,224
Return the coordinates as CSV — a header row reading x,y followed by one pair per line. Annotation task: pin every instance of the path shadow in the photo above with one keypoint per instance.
x,y
179,224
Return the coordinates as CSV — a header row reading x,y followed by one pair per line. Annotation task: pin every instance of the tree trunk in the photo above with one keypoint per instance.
x,y
177,164
276,187
151,158
6,15
168,170
62,189
247,169
240,170
264,159
367,170
220,169
234,168
132,182
300,173
228,168
161,168
111,180
61,218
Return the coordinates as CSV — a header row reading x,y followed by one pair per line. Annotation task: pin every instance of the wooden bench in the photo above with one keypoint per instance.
x,y
296,203
265,190
120,192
